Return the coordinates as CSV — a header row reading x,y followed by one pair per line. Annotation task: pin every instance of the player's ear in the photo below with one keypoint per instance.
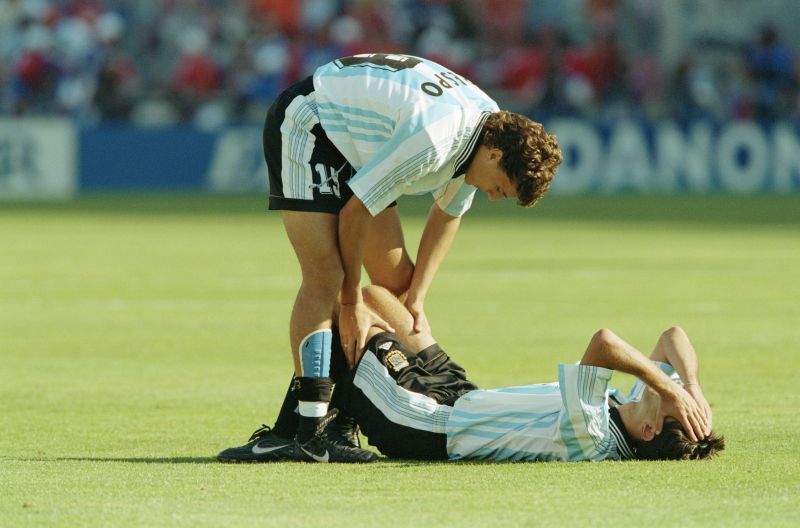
x,y
495,154
648,431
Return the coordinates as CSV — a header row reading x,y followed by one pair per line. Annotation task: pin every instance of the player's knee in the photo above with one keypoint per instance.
x,y
604,336
325,279
674,332
374,293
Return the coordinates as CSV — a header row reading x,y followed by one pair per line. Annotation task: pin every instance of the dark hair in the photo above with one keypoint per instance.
x,y
530,155
673,444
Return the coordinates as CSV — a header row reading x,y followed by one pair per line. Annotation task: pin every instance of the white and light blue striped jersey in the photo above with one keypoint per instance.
x,y
565,421
406,124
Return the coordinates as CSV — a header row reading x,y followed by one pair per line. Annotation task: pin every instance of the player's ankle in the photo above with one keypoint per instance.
x,y
307,427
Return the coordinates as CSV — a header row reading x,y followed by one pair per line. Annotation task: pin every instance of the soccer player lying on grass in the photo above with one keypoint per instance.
x,y
419,405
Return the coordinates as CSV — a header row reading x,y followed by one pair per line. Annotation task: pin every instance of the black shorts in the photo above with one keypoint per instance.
x,y
402,400
306,171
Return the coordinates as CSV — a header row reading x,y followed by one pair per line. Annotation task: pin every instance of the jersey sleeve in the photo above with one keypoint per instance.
x,y
414,150
638,388
456,197
583,424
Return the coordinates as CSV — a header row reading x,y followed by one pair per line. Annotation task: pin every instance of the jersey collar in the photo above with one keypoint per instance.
x,y
620,434
474,142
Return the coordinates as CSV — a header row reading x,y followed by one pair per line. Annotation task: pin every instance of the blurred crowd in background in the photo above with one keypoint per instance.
x,y
216,62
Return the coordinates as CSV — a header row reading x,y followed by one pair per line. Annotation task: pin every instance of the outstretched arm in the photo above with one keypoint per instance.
x,y
674,347
437,238
355,319
609,351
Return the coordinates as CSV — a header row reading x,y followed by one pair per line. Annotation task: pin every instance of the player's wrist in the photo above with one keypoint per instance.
x,y
665,387
416,293
414,300
689,378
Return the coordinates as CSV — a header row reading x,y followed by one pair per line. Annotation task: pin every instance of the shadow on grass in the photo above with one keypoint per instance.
x,y
385,463
129,460
394,463
382,463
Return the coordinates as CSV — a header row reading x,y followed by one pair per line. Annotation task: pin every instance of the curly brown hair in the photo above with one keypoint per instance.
x,y
673,444
530,155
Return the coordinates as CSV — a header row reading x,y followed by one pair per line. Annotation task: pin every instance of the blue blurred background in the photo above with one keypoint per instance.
x,y
645,95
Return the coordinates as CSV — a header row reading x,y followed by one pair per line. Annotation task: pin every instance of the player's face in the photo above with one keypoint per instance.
x,y
486,174
648,416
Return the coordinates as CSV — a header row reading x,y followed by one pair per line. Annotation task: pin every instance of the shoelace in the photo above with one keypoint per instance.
x,y
261,431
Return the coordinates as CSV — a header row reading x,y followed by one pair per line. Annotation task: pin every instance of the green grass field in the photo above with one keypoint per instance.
x,y
140,335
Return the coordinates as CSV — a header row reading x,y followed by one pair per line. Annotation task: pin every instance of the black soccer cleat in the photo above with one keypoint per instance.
x,y
321,448
263,446
343,431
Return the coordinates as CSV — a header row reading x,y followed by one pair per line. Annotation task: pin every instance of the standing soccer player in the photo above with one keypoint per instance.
x,y
341,147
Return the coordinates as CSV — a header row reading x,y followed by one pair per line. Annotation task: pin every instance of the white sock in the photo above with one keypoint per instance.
x,y
312,409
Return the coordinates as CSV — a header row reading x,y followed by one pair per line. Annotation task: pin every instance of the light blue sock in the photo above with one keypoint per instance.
x,y
315,354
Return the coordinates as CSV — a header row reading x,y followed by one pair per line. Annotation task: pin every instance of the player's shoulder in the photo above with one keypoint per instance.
x,y
424,78
367,64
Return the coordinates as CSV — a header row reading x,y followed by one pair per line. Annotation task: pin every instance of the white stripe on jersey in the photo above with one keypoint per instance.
x,y
297,145
399,405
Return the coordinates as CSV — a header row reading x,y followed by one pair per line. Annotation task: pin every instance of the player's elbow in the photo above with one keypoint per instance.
x,y
441,216
599,346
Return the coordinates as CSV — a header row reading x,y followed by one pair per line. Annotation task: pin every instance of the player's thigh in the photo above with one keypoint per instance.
x,y
314,237
385,256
